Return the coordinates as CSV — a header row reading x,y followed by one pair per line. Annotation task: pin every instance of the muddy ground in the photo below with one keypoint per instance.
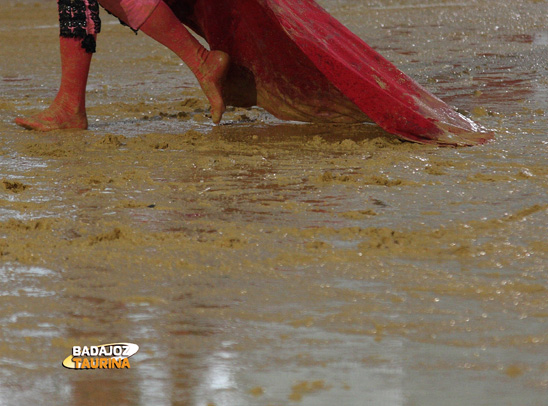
x,y
261,262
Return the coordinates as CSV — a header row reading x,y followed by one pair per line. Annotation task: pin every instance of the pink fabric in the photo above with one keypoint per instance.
x,y
132,12
90,24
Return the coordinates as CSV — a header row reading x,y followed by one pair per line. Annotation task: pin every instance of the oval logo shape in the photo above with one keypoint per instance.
x,y
104,356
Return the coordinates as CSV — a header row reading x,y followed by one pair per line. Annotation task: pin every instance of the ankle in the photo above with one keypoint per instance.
x,y
69,105
214,63
202,54
199,64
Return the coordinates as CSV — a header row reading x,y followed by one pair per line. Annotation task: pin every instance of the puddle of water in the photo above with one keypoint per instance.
x,y
261,262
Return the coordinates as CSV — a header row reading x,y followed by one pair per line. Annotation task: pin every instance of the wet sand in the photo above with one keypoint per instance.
x,y
262,262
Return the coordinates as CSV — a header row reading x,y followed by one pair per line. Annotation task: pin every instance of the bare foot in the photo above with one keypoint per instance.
x,y
211,75
54,118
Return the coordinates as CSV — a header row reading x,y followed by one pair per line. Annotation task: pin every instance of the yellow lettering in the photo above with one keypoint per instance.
x,y
116,363
103,363
125,363
77,362
85,364
95,363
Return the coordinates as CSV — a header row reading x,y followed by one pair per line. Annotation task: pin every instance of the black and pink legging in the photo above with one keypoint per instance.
x,y
80,18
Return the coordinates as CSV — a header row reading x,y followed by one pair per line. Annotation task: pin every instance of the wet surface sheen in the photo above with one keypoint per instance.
x,y
270,263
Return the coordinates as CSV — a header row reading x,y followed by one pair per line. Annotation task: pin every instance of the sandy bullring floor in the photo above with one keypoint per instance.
x,y
268,263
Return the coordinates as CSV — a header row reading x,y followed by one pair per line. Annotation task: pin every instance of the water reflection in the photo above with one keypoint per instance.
x,y
24,281
311,366
541,38
218,385
263,363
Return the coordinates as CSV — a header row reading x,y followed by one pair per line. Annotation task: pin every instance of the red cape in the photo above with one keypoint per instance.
x,y
299,63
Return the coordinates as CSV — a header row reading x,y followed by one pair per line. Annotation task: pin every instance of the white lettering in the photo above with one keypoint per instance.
x,y
76,351
105,351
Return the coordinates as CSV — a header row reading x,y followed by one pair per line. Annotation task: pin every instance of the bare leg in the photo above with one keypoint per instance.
x,y
210,67
68,110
